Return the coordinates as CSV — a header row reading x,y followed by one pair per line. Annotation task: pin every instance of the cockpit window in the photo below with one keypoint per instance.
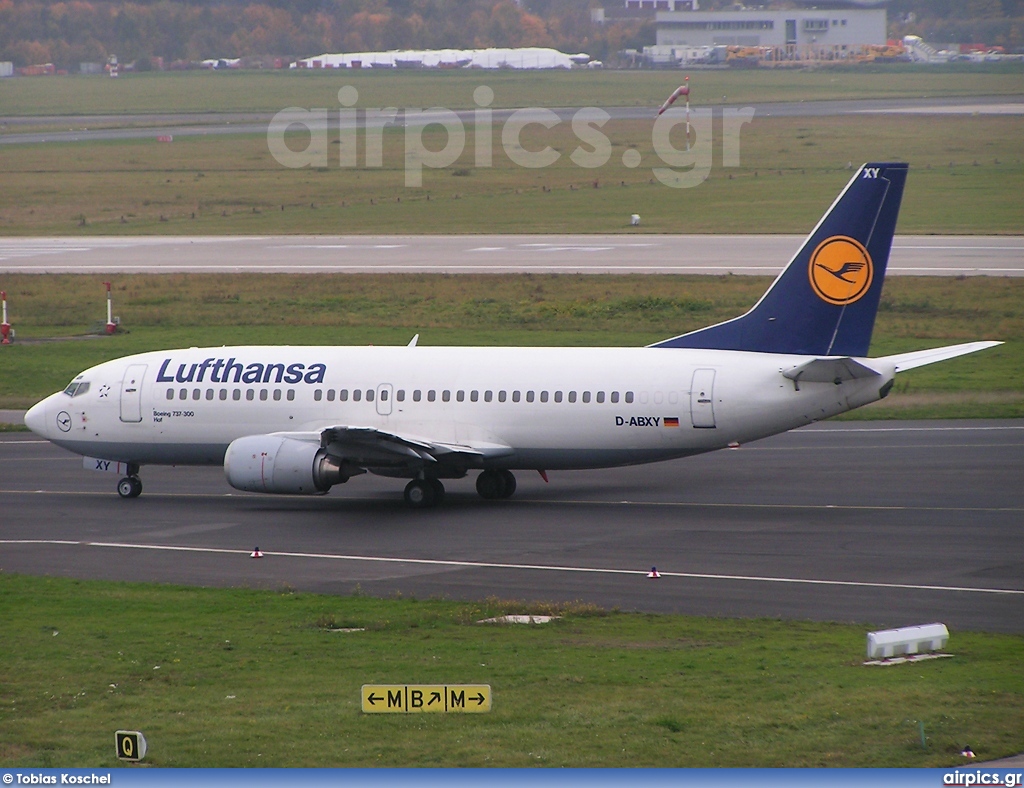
x,y
77,388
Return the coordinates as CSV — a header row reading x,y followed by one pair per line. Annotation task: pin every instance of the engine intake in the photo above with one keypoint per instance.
x,y
272,464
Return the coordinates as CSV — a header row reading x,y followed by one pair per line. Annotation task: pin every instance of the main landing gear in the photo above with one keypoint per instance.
x,y
424,493
131,485
494,484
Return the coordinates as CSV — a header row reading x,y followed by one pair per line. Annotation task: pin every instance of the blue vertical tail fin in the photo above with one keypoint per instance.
x,y
824,302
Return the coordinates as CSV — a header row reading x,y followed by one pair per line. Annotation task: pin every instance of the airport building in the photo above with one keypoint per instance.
x,y
837,28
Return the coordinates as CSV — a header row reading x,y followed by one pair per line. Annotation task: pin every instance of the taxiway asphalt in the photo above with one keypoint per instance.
x,y
883,523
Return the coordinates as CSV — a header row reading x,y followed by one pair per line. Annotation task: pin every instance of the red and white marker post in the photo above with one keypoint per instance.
x,y
5,327
111,327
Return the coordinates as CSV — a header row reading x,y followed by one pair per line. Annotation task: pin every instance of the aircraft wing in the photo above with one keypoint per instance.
x,y
920,358
373,447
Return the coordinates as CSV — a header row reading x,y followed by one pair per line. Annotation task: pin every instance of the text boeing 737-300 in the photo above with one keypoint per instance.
x,y
301,419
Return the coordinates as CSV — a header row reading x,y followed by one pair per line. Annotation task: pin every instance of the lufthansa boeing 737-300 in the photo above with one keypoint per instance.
x,y
299,420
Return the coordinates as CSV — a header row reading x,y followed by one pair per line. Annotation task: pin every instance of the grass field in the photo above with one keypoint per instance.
x,y
270,91
256,678
185,310
967,176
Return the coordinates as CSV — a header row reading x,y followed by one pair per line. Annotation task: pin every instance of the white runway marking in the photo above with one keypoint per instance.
x,y
535,567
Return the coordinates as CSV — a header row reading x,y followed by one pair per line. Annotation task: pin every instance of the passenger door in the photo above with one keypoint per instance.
x,y
131,393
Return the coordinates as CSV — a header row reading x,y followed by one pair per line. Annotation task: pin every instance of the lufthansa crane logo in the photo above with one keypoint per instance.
x,y
841,270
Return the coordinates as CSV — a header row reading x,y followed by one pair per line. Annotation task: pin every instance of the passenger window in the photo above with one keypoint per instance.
x,y
209,393
529,396
558,396
400,395
643,397
183,394
431,395
416,395
369,395
446,395
460,395
572,396
543,396
515,396
383,395
196,393
658,397
318,395
250,395
236,394
170,393
586,396
600,396
263,395
342,395
488,395
474,396
502,396
223,394
330,395
615,396
277,395
629,396
291,394
356,395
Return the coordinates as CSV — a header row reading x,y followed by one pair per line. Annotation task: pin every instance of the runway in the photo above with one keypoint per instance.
x,y
92,128
883,523
626,253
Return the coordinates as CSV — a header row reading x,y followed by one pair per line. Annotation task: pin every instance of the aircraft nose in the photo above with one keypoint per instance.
x,y
35,418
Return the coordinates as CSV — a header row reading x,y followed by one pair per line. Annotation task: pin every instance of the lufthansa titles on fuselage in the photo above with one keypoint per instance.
x,y
232,371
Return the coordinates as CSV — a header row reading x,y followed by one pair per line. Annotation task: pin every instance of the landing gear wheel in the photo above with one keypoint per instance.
x,y
489,484
494,484
438,490
421,493
508,483
130,487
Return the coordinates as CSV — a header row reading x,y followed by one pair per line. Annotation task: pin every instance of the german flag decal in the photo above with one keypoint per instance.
x,y
671,421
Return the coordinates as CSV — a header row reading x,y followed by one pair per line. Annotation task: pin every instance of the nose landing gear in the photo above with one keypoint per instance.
x,y
131,485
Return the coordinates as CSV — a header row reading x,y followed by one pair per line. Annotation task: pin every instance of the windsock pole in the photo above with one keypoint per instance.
x,y
111,326
5,327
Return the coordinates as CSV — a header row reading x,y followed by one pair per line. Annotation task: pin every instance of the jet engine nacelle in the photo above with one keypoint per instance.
x,y
274,464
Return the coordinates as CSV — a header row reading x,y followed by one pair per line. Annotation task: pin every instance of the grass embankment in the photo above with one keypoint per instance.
x,y
270,91
255,678
185,310
967,177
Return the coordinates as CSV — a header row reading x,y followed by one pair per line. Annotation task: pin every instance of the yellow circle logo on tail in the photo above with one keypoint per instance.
x,y
841,270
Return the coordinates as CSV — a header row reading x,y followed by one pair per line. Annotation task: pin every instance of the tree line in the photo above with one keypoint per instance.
x,y
67,32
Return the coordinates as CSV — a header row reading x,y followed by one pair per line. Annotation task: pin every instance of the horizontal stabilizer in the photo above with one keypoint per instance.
x,y
829,370
921,358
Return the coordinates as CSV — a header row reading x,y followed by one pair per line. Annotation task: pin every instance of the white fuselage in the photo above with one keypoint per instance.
x,y
546,408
